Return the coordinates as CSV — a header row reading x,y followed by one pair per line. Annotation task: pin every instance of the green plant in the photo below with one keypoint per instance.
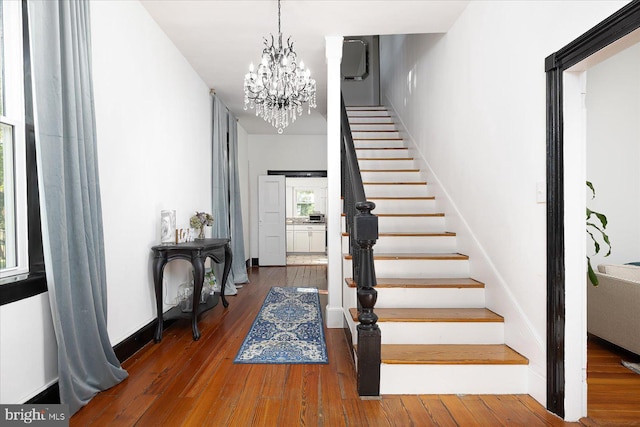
x,y
593,227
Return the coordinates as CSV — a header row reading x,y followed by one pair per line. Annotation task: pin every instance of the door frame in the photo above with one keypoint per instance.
x,y
606,32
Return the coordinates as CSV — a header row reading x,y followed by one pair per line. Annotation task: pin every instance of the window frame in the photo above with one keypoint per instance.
x,y
14,116
34,281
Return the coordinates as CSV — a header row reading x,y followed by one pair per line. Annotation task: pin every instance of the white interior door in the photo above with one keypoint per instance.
x,y
272,242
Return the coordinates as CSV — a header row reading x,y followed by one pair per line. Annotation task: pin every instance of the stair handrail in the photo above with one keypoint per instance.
x,y
362,228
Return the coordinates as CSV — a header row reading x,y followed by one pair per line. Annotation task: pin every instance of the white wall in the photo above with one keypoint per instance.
x,y
153,116
474,102
280,152
613,151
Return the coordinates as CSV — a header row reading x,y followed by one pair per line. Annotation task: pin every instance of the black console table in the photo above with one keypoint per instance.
x,y
196,252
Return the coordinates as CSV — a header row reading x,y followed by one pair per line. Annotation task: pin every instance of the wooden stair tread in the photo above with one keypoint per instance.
x,y
390,170
380,139
397,282
372,130
402,198
385,158
396,183
379,148
451,354
412,234
418,256
387,123
415,214
436,214
432,315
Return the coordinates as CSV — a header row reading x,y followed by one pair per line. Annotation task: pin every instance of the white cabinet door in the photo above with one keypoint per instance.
x,y
290,247
301,240
317,241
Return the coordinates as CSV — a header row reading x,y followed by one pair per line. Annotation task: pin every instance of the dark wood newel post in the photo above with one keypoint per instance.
x,y
369,339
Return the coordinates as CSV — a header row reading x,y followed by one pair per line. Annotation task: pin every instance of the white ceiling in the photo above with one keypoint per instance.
x,y
220,38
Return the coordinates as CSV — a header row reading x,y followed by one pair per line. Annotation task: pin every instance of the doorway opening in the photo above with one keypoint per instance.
x,y
566,240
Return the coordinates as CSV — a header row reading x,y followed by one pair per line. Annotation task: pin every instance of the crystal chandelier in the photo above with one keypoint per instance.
x,y
280,85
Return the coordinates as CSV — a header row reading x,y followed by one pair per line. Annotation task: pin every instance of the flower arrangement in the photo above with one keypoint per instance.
x,y
200,220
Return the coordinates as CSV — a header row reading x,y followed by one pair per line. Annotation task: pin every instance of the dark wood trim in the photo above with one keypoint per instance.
x,y
255,262
123,351
49,396
137,340
608,31
299,173
555,247
16,288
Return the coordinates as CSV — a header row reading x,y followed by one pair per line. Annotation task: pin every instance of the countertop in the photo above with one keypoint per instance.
x,y
295,221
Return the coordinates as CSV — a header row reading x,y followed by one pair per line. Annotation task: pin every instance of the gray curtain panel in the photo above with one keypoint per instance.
x,y
227,216
70,198
239,266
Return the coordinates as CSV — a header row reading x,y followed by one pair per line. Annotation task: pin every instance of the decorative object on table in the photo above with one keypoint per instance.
x,y
281,85
208,286
288,329
592,228
199,221
167,226
184,235
185,296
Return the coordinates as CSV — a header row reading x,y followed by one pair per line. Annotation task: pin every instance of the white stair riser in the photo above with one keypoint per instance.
x,y
410,244
420,297
406,224
453,379
379,143
442,332
404,206
430,298
416,268
382,154
389,224
369,127
351,114
356,120
374,135
406,163
410,176
396,190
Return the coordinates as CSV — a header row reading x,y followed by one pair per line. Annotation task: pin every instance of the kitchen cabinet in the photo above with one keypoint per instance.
x,y
306,238
290,238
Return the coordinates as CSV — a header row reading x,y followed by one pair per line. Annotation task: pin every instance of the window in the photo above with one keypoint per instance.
x,y
21,256
13,175
305,202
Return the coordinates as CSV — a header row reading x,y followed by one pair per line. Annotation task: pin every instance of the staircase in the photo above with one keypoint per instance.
x,y
437,335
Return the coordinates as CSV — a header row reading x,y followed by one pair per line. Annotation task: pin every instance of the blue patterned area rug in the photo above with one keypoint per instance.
x,y
288,329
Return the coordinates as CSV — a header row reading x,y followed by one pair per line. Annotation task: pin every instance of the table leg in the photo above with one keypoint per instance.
x,y
159,262
228,258
198,277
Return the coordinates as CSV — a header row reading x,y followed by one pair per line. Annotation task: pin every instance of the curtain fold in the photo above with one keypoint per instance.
x,y
70,203
239,266
225,198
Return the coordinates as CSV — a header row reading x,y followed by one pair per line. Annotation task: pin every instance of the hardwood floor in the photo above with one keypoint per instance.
x,y
613,393
179,382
